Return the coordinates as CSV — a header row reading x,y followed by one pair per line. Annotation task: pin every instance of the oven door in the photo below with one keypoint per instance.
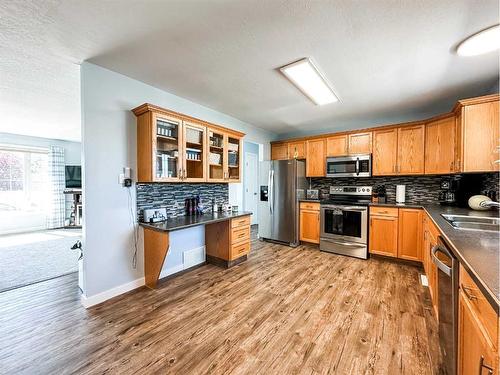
x,y
349,166
347,223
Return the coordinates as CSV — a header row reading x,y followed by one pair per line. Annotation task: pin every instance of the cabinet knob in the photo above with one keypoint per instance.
x,y
468,293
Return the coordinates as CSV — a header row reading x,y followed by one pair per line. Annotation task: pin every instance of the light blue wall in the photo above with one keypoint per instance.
x,y
109,144
72,150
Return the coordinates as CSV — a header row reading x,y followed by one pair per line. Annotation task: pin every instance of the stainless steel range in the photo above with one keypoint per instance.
x,y
344,221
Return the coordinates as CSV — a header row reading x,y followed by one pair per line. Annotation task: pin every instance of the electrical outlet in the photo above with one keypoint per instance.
x,y
121,178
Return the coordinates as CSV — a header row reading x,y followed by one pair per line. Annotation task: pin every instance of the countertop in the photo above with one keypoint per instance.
x,y
182,222
477,251
394,204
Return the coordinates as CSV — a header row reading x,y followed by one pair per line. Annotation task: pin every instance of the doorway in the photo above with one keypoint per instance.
x,y
250,180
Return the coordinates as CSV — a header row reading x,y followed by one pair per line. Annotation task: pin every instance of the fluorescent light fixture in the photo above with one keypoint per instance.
x,y
310,81
483,42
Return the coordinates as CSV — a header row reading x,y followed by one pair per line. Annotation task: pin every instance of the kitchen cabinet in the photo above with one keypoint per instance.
x,y
441,146
476,352
411,142
385,152
410,234
337,145
315,158
384,231
172,147
279,151
480,134
309,219
360,143
297,150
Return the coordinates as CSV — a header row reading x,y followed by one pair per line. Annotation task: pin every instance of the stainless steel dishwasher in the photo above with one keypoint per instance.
x,y
447,266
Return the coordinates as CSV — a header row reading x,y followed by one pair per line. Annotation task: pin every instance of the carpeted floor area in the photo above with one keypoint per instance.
x,y
32,257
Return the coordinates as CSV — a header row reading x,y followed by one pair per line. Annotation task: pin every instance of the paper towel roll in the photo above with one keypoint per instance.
x,y
400,193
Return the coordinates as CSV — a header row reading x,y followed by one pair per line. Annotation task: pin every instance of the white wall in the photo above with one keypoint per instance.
x,y
109,144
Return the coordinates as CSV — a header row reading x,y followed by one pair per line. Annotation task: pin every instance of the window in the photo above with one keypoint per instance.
x,y
23,180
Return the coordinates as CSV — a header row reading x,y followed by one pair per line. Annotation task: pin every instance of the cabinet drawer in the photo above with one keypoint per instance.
x,y
240,234
309,206
482,309
384,211
240,221
239,250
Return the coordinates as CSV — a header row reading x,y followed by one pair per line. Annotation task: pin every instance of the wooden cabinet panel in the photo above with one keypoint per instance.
x,y
432,274
336,145
238,250
194,152
360,143
384,211
475,354
384,235
309,225
297,150
410,234
315,158
480,132
411,143
440,146
385,152
240,222
309,206
279,151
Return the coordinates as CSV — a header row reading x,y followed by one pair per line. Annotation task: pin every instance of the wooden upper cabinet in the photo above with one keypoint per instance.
x,y
411,143
279,151
315,158
360,143
336,145
410,234
172,147
441,146
480,136
385,152
297,150
195,152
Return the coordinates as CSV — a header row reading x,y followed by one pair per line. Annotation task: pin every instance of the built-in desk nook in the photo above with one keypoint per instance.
x,y
227,240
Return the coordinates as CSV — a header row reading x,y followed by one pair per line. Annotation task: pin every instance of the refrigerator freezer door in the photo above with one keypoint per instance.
x,y
283,192
265,216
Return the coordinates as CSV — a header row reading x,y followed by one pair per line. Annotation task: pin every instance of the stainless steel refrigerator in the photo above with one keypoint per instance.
x,y
282,184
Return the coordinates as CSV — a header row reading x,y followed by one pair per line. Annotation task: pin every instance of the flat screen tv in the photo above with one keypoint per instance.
x,y
73,176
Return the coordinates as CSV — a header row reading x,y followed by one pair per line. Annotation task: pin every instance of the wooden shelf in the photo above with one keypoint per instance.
x,y
199,161
217,147
215,165
233,166
194,143
167,137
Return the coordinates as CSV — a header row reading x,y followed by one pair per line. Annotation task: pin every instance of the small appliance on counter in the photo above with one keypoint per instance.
x,y
456,190
400,194
155,215
312,194
379,194
193,206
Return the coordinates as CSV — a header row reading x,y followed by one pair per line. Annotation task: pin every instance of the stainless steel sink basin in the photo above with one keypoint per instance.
x,y
480,223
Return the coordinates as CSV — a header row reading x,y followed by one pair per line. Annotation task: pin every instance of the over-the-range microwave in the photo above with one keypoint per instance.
x,y
349,166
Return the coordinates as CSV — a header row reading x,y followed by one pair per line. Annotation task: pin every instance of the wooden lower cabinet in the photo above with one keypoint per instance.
x,y
410,234
227,242
309,222
476,355
384,235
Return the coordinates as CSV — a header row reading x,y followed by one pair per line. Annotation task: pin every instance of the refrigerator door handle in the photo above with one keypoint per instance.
x,y
271,192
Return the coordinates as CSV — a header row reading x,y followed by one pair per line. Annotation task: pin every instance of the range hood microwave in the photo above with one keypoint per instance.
x,y
349,166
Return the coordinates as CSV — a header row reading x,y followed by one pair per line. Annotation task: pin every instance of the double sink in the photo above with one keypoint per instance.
x,y
479,223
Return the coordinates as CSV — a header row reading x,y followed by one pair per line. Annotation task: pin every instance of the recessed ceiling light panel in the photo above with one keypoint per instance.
x,y
483,42
306,76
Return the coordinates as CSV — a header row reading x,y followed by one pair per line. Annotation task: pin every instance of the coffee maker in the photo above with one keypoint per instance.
x,y
456,190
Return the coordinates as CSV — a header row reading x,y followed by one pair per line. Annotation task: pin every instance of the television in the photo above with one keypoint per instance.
x,y
73,177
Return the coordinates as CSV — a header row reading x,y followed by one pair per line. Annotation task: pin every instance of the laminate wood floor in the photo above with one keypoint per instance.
x,y
284,311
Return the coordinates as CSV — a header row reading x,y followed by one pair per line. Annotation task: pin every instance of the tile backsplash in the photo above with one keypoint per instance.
x,y
172,196
419,189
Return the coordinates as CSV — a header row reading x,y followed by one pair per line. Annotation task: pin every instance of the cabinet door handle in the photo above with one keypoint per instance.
x,y
468,293
483,365
185,174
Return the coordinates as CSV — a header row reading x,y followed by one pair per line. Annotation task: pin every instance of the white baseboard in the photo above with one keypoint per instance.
x,y
108,294
191,258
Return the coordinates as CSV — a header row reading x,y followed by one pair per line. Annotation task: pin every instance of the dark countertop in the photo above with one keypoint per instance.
x,y
309,200
477,251
182,222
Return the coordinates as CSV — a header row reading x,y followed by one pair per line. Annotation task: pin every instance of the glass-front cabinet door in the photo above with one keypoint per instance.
x,y
194,152
217,155
234,155
167,147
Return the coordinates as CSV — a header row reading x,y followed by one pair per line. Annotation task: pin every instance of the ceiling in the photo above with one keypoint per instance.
x,y
387,60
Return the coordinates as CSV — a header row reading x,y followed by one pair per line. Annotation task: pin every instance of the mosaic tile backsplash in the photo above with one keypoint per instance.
x,y
419,189
172,196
